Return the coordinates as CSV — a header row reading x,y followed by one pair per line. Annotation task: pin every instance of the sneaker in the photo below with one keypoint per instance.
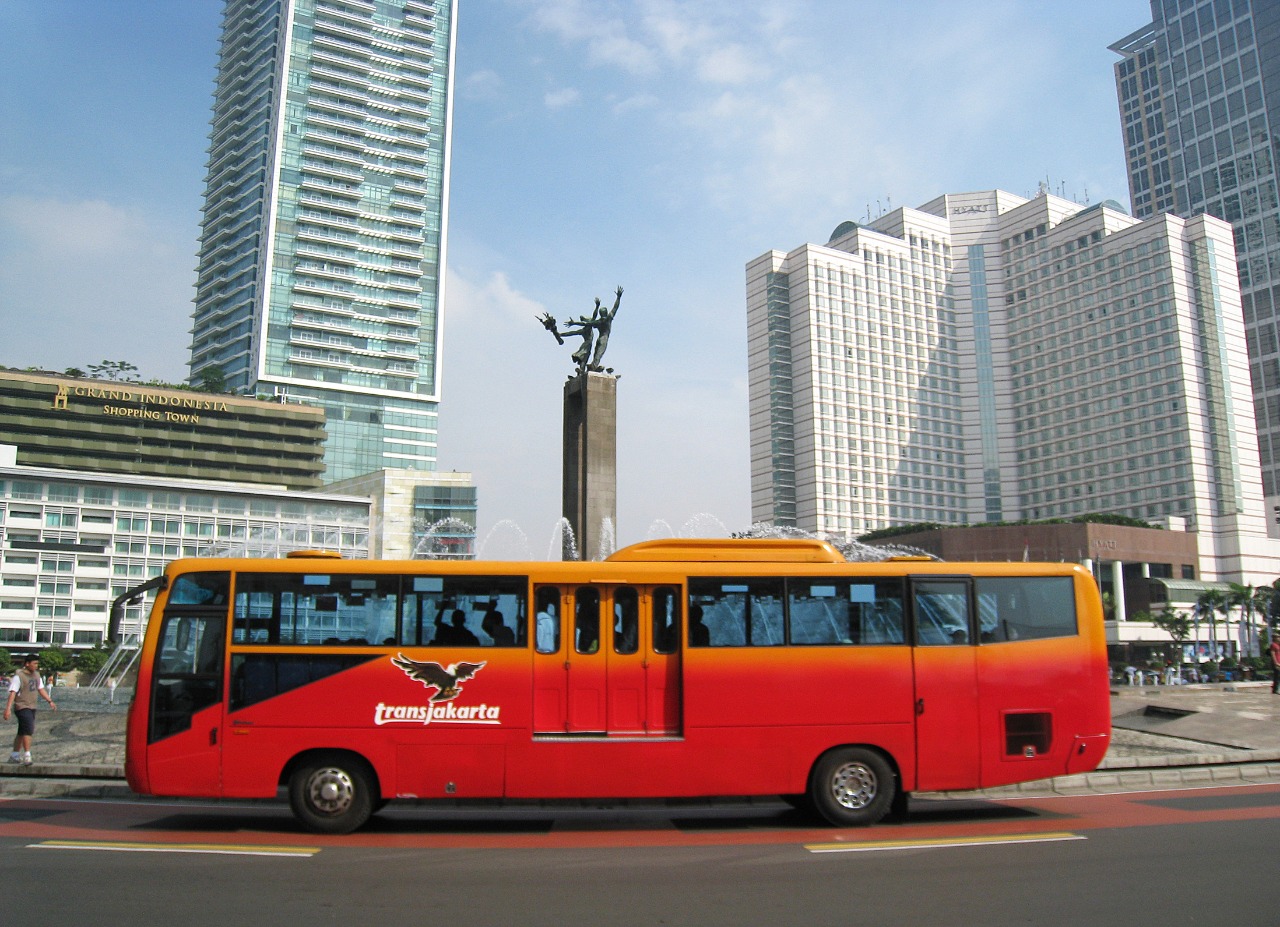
x,y
26,759
15,757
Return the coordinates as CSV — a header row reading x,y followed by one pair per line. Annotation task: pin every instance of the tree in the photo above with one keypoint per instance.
x,y
123,371
88,662
1249,599
1208,604
54,660
1177,625
7,666
213,379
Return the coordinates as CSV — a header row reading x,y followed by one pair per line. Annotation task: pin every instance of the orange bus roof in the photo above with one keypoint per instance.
x,y
764,550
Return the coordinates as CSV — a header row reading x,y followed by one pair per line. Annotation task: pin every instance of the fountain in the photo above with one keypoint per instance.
x,y
852,549
704,525
660,530
564,546
506,540
447,539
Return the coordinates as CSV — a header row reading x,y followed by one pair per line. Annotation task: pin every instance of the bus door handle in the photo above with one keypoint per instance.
x,y
919,707
213,737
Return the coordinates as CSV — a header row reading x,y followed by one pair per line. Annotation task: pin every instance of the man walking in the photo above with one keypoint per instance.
x,y
25,685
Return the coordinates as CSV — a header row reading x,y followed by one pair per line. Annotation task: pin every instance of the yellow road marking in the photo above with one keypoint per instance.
x,y
226,849
933,843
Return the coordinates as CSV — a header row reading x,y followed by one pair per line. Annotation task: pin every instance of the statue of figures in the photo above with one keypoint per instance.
x,y
603,325
594,332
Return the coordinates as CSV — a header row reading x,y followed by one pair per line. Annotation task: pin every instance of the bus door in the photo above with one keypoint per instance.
x,y
606,660
946,689
184,730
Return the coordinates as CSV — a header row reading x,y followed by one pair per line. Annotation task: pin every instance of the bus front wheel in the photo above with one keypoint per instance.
x,y
332,794
852,787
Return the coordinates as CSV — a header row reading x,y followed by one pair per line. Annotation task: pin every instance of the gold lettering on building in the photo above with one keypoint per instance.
x,y
60,400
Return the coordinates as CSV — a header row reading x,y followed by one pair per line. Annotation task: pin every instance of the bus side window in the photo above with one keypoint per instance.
x,y
739,612
626,620
547,622
820,612
586,620
877,612
941,612
666,619
465,611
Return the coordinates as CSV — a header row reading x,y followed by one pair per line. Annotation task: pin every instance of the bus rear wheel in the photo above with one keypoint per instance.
x,y
852,787
332,794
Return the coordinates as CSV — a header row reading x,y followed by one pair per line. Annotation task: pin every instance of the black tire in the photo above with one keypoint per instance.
x,y
332,794
852,787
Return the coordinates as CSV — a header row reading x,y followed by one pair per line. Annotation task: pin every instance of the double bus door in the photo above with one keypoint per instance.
x,y
606,660
948,750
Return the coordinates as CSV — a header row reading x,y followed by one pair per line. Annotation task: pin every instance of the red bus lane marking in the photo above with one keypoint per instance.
x,y
31,820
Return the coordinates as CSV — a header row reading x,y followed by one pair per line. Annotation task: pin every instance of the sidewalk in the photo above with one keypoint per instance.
x,y
1163,737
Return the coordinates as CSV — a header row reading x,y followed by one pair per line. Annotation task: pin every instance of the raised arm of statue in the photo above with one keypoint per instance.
x,y
549,324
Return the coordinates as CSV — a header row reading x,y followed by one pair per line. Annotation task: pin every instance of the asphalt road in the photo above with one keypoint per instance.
x,y
1204,856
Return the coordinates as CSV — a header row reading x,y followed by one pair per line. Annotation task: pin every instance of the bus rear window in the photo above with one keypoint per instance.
x,y
1019,608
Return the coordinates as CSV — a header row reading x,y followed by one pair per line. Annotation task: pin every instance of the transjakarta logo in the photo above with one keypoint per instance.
x,y
447,681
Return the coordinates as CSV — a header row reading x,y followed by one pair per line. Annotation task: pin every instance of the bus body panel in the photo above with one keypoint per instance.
x,y
948,748
700,721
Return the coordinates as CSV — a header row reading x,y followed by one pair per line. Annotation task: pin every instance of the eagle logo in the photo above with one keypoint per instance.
x,y
448,681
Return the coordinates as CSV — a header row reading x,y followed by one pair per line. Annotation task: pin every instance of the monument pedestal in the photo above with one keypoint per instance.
x,y
590,493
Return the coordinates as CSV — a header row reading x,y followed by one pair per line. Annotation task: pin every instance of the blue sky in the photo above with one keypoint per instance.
x,y
655,144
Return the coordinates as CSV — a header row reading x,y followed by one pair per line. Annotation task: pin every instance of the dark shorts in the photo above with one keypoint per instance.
x,y
26,721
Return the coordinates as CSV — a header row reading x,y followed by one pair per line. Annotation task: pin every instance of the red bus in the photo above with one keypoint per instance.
x,y
672,669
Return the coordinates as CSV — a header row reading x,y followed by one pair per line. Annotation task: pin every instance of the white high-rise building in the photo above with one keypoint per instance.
x,y
989,358
323,247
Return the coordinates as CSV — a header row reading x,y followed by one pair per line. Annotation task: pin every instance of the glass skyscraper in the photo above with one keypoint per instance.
x,y
1199,91
321,268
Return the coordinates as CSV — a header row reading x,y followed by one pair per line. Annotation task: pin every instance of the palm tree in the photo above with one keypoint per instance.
x,y
1241,596
1207,606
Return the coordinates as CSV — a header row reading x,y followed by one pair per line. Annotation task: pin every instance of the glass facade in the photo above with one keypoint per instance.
x,y
1206,74
322,252
444,522
70,543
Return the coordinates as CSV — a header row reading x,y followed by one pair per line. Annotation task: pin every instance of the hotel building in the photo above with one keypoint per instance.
x,y
989,358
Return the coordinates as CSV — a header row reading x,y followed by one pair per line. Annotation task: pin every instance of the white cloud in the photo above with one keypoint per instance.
x,y
603,34
730,64
481,85
637,101
559,99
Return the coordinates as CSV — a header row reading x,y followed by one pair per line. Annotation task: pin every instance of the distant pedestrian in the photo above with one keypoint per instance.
x,y
24,687
1274,650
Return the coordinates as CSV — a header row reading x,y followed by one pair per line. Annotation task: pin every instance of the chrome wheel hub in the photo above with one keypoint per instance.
x,y
330,790
854,786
